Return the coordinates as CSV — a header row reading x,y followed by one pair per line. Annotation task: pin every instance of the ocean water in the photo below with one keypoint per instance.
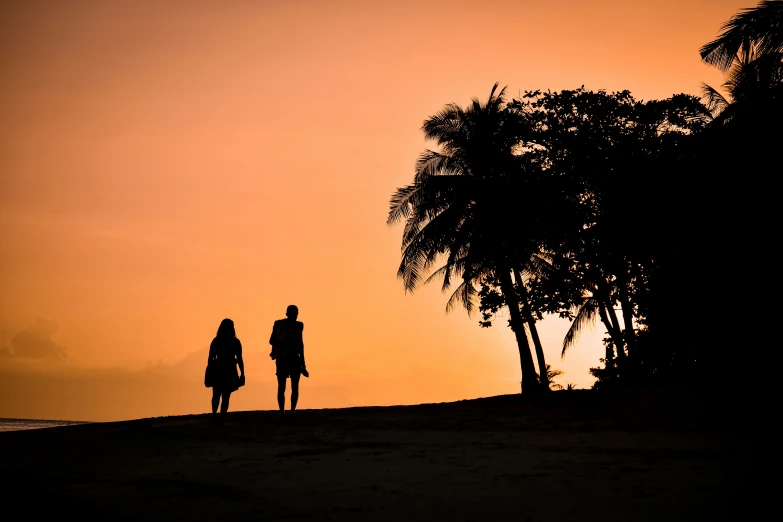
x,y
31,424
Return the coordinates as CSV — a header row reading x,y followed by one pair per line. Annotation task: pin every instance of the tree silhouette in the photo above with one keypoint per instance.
x,y
552,374
737,159
752,32
471,205
618,158
750,51
597,205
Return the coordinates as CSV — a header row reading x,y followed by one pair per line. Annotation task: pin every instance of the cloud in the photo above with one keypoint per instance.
x,y
35,342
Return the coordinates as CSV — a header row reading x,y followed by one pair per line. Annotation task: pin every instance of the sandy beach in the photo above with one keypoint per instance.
x,y
577,455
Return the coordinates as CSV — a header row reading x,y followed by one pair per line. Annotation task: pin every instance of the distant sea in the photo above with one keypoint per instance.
x,y
30,424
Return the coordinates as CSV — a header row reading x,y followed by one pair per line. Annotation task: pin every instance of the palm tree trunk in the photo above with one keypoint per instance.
x,y
609,328
615,332
531,324
627,309
529,380
610,321
613,321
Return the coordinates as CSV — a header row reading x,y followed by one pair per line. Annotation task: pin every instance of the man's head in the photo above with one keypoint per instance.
x,y
292,312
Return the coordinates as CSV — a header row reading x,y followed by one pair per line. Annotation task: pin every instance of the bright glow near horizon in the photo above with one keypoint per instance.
x,y
164,165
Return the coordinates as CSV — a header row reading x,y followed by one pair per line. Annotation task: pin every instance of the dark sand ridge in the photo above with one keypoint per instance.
x,y
576,455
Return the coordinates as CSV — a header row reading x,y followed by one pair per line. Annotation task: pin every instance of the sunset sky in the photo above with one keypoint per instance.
x,y
167,164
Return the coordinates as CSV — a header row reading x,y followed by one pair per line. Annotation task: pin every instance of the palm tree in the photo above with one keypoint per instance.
x,y
754,31
595,303
463,208
750,52
743,146
552,374
752,86
530,320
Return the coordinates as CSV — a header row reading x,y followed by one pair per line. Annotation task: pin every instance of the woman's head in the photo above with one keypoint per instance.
x,y
226,328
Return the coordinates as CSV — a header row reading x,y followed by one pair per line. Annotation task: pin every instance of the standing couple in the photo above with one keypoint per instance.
x,y
225,354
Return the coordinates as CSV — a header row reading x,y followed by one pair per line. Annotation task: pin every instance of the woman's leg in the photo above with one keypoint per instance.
x,y
226,397
294,390
215,399
215,402
281,392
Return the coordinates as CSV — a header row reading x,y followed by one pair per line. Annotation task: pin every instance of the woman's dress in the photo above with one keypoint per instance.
x,y
224,354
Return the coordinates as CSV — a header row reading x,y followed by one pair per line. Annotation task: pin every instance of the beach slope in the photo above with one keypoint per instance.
x,y
572,455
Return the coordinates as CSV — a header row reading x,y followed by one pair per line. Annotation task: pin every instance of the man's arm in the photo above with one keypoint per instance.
x,y
301,343
272,337
273,354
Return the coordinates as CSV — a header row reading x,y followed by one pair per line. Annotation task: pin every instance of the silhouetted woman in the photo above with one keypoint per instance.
x,y
225,353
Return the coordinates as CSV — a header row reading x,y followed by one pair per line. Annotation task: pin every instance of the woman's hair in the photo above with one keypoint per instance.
x,y
226,328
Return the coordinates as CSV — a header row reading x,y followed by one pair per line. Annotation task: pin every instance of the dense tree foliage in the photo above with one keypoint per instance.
x,y
598,206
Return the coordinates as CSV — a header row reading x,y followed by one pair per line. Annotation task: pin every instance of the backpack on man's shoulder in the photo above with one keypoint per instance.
x,y
281,332
280,335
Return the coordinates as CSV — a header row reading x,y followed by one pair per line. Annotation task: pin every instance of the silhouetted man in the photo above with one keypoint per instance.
x,y
288,354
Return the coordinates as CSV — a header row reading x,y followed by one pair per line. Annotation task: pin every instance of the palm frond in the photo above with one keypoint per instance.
x,y
423,245
465,294
446,125
436,274
585,317
755,29
746,79
540,264
401,204
421,201
432,163
441,223
713,100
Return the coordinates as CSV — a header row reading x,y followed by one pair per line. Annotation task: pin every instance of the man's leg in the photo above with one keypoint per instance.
x,y
294,390
281,393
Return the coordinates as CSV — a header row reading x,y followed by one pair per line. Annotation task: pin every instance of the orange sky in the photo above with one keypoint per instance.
x,y
166,164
